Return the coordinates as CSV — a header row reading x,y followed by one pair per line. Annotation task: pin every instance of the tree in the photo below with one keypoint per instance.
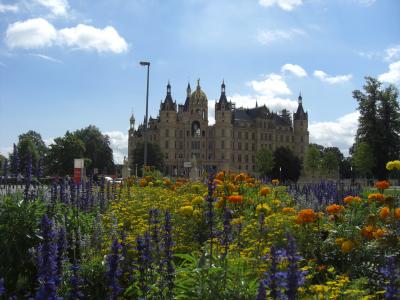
x,y
264,162
29,142
97,149
62,152
287,166
155,157
379,123
312,159
363,159
330,160
2,161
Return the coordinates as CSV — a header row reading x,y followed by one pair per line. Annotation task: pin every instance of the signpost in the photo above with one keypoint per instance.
x,y
79,167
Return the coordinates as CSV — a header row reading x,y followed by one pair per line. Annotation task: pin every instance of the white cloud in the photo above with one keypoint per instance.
x,y
272,86
393,75
339,133
32,33
273,103
90,38
287,5
266,37
392,53
8,8
119,145
57,7
331,79
49,58
39,33
295,69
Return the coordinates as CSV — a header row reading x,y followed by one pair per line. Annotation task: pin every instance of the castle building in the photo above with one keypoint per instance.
x,y
183,133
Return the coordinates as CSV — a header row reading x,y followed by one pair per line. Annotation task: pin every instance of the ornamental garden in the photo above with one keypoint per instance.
x,y
230,236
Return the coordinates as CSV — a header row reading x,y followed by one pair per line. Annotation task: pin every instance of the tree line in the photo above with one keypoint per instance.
x,y
57,159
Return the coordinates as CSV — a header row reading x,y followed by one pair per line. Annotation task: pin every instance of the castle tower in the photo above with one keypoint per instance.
x,y
224,130
300,126
131,141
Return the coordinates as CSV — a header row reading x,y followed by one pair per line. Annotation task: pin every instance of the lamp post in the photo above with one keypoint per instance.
x,y
146,63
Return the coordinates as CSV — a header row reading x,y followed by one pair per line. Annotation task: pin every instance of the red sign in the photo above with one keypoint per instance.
x,y
77,175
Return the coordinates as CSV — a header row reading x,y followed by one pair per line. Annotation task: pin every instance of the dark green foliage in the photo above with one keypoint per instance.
x,y
379,123
97,149
155,157
62,152
287,166
18,235
264,162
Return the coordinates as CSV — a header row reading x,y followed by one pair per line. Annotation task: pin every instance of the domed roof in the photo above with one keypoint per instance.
x,y
198,95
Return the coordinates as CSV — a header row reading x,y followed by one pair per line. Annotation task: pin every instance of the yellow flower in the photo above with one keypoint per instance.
x,y
276,202
347,246
393,165
197,213
198,200
275,181
263,208
265,190
186,210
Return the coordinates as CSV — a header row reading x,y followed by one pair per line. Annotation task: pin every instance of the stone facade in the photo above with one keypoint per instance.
x,y
183,132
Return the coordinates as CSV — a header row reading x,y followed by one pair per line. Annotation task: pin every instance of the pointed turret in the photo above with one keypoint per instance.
x,y
168,103
132,121
300,114
223,102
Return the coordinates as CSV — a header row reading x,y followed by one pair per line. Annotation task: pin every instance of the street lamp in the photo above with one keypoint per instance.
x,y
146,63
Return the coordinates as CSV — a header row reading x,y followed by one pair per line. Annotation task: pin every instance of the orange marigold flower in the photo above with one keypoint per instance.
x,y
384,212
143,182
382,185
376,196
265,190
397,213
220,175
347,246
334,209
348,199
235,199
367,232
217,182
379,233
167,181
275,181
306,216
288,210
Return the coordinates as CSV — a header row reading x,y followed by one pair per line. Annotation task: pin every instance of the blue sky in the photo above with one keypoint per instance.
x,y
65,64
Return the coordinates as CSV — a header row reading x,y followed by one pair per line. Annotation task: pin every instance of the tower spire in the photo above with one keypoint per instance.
x,y
198,84
168,88
188,90
223,87
300,99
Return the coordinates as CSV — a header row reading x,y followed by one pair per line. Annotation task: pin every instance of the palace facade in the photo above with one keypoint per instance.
x,y
183,133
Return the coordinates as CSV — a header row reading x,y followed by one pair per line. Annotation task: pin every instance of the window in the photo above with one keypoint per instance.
x,y
222,144
239,158
246,147
204,133
222,156
253,160
246,135
287,139
253,147
222,132
166,155
301,139
166,132
253,136
246,158
166,144
239,134
240,146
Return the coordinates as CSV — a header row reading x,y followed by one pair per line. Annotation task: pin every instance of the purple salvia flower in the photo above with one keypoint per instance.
x,y
141,265
274,279
40,167
391,273
101,196
2,288
114,271
61,250
261,293
170,271
227,231
76,284
154,224
295,277
47,265
53,193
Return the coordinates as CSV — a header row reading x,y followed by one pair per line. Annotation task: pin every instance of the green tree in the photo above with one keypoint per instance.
x,y
2,161
330,160
312,159
287,166
29,142
97,149
264,162
155,157
379,123
363,159
62,152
